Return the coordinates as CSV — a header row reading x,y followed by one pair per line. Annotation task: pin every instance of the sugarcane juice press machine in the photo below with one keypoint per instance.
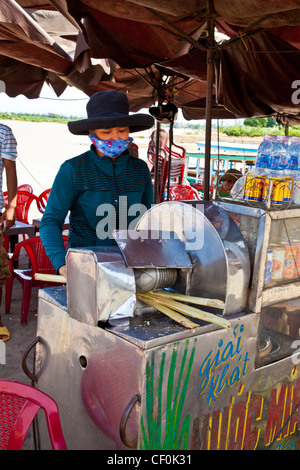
x,y
127,376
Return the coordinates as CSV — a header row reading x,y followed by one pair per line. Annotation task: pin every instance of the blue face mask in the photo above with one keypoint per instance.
x,y
111,148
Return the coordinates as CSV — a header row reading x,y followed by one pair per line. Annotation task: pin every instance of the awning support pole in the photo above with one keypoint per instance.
x,y
157,147
286,130
156,175
209,96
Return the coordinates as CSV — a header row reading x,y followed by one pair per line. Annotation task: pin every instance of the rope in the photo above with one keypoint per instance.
x,y
240,35
19,160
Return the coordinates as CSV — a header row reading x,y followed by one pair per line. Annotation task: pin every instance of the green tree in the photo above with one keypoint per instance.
x,y
260,122
256,122
271,122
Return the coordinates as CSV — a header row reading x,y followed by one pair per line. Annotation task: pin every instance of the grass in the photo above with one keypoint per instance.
x,y
250,131
238,130
51,117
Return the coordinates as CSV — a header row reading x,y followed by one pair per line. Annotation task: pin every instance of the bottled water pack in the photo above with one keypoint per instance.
x,y
277,159
294,167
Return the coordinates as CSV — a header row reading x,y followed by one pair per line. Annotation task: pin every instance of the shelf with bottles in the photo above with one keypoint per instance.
x,y
274,182
283,253
263,229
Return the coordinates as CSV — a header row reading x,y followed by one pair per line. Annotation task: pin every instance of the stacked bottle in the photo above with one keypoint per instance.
x,y
279,157
294,167
279,170
279,163
264,153
254,182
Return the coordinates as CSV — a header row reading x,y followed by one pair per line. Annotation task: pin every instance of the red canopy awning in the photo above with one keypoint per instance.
x,y
129,45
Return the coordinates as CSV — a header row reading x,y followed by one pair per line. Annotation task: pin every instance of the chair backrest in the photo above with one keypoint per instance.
x,y
177,161
42,200
37,256
178,158
25,187
163,143
182,192
163,140
19,403
134,150
24,201
179,153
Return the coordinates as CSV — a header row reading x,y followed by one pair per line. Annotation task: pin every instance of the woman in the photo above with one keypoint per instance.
x,y
228,180
105,188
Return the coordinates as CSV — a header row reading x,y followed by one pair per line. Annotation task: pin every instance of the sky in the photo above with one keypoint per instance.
x,y
72,102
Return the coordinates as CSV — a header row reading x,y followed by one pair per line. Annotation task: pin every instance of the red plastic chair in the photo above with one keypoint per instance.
x,y
39,263
19,403
200,189
177,167
182,192
24,201
42,200
162,156
177,161
25,187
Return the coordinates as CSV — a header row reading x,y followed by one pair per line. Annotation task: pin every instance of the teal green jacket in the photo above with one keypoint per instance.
x,y
100,195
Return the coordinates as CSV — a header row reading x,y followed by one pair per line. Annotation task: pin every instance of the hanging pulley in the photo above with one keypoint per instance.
x,y
164,113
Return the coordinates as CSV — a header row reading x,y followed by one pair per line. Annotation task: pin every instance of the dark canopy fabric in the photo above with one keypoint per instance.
x,y
156,49
257,77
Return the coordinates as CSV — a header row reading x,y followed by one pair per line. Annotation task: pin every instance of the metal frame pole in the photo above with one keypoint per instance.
x,y
209,96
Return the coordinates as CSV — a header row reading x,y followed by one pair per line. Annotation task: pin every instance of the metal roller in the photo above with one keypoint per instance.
x,y
215,246
151,279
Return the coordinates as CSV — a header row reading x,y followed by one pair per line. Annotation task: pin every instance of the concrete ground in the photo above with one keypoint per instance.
x,y
12,351
21,336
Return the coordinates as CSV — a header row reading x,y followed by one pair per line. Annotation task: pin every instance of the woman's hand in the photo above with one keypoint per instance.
x,y
63,271
8,218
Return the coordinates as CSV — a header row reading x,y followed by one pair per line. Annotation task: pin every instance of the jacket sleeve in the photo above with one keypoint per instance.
x,y
58,205
148,193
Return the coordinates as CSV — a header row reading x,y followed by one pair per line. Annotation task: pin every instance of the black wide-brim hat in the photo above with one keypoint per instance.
x,y
107,109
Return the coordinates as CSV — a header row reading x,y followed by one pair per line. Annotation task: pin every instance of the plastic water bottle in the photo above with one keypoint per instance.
x,y
294,167
263,159
293,157
279,157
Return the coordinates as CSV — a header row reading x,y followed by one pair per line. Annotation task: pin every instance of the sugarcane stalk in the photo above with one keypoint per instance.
x,y
50,277
190,299
167,311
191,311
